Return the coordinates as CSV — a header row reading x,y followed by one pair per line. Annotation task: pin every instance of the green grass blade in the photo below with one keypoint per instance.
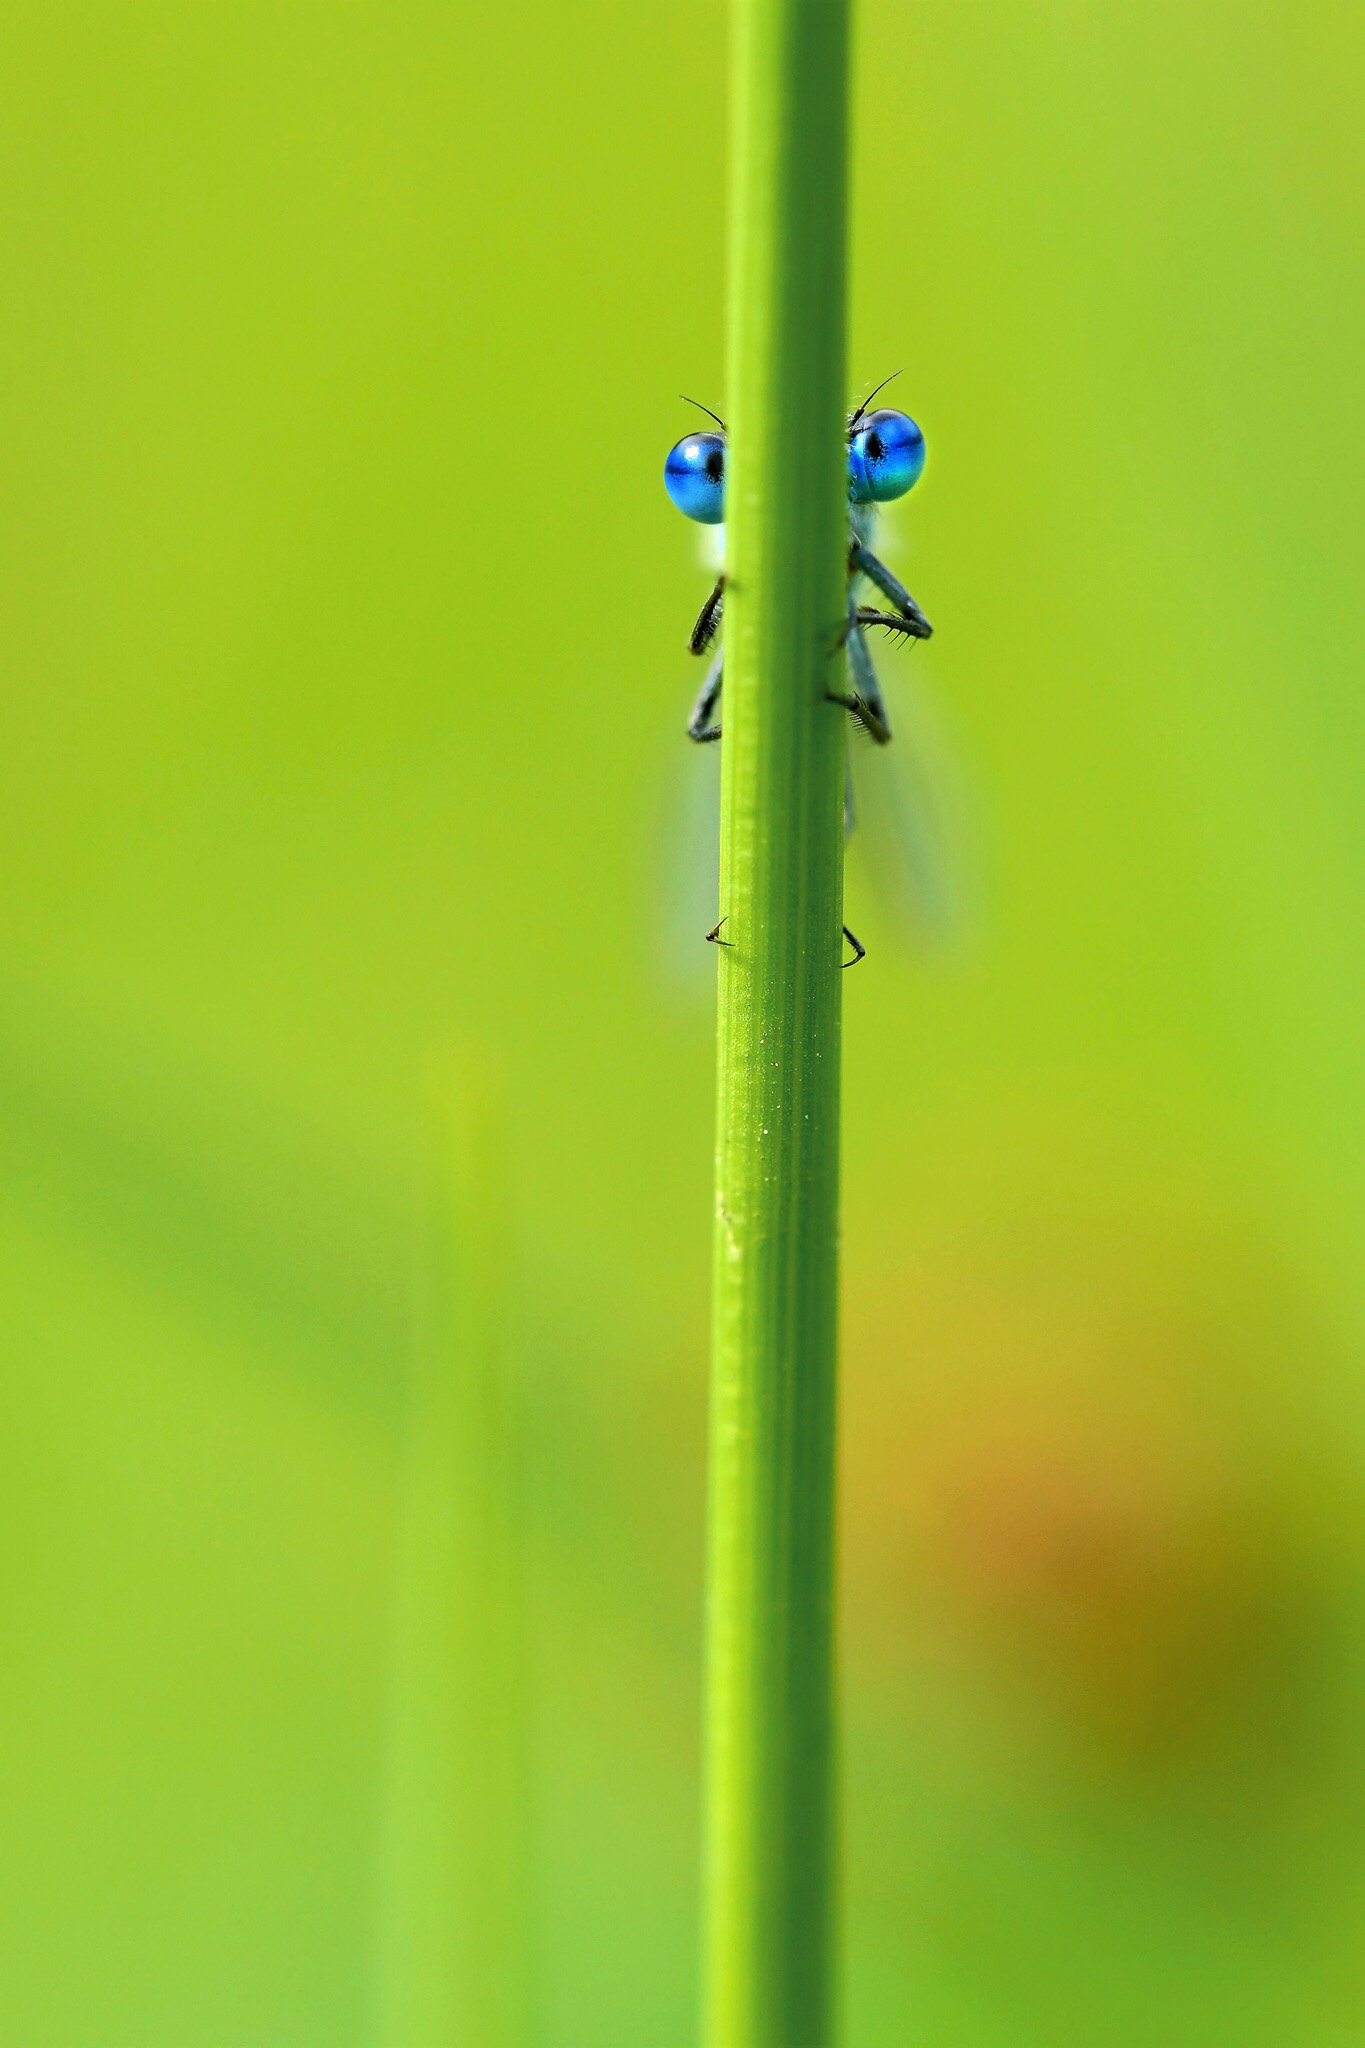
x,y
453,1924
770,1857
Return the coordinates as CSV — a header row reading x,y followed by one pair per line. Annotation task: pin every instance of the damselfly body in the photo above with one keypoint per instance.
x,y
886,454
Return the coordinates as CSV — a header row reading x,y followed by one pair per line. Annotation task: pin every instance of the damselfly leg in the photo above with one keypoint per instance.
x,y
699,725
865,702
862,562
708,619
713,938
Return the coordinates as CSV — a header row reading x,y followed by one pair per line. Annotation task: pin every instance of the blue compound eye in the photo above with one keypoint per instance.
x,y
885,457
694,477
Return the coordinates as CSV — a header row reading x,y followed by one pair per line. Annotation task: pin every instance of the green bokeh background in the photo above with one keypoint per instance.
x,y
344,686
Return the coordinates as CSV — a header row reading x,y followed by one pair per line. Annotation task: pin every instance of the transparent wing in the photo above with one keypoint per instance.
x,y
907,873
906,856
690,861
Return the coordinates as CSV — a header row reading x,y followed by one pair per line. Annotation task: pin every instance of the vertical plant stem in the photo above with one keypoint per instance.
x,y
453,1946
770,1853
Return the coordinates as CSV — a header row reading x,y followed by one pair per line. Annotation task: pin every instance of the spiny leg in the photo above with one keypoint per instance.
x,y
699,725
866,702
862,562
909,629
873,713
859,951
704,632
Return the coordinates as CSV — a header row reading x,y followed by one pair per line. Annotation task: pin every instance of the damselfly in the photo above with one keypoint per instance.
x,y
886,454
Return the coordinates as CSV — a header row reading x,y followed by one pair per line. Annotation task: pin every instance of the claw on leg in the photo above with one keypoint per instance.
x,y
859,951
713,937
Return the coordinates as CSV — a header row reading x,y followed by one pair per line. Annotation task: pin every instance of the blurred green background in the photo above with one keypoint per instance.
x,y
342,738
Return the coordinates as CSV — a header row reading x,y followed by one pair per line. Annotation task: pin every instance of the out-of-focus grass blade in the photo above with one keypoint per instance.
x,y
209,1181
453,1948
